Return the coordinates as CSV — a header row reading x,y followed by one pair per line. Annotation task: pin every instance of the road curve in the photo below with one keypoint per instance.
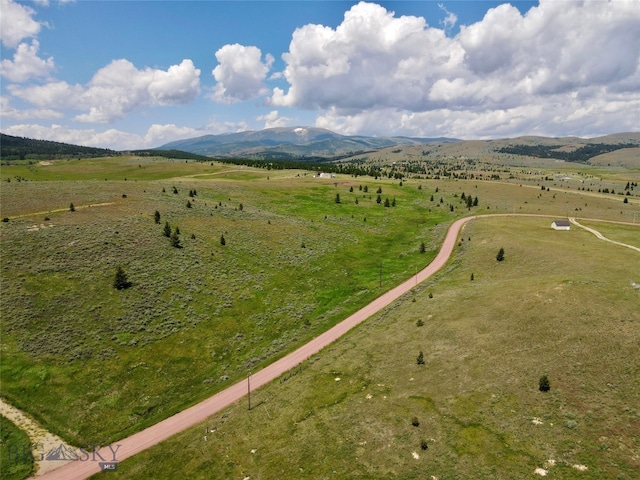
x,y
155,434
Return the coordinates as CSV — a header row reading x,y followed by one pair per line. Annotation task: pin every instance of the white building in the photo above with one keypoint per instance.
x,y
561,225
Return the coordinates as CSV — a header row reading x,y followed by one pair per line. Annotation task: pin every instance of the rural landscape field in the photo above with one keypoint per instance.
x,y
268,258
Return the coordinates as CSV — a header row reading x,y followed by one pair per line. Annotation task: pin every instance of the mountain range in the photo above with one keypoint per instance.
x,y
290,143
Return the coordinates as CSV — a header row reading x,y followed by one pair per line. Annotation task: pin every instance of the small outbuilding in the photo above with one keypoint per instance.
x,y
561,225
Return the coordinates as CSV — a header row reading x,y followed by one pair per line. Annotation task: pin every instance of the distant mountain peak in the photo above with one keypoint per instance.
x,y
288,143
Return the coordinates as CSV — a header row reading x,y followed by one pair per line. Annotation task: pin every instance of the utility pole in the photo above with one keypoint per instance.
x,y
249,389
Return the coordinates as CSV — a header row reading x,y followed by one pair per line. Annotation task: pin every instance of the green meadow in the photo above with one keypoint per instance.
x,y
95,364
16,461
559,305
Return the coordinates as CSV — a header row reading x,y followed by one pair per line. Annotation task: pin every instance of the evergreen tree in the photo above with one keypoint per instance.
x,y
379,199
175,240
469,201
188,204
223,242
475,202
175,190
177,230
120,281
544,385
387,203
72,208
420,360
423,248
167,229
379,190
500,256
156,217
393,202
337,198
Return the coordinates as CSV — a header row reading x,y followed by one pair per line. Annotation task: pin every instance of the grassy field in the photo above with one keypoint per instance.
x,y
95,364
16,461
559,304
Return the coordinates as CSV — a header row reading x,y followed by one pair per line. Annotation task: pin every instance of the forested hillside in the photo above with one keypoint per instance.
x,y
19,148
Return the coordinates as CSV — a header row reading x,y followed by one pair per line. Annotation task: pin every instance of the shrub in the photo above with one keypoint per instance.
x,y
420,360
500,256
72,208
419,323
5,219
415,422
424,445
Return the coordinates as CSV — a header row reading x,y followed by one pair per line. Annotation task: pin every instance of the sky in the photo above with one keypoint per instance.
x,y
129,74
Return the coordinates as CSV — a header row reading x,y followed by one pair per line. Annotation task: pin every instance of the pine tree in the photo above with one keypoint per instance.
x,y
120,281
156,217
175,240
188,204
387,203
167,229
544,385
72,208
500,256
420,359
423,248
379,199
223,242
337,198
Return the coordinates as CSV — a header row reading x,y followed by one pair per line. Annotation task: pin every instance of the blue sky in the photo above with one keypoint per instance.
x,y
137,74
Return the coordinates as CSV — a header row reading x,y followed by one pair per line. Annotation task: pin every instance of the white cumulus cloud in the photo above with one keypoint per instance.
x,y
16,23
240,73
26,64
274,120
111,138
116,90
556,67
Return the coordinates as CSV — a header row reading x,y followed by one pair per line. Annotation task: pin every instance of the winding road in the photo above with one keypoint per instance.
x,y
155,434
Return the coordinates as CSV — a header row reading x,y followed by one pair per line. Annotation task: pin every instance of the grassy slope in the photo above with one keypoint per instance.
x,y
16,460
96,364
559,304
